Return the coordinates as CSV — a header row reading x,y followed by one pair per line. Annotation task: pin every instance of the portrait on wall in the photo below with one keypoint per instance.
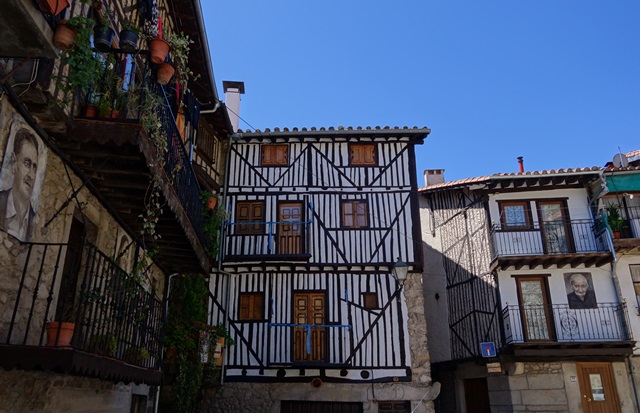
x,y
580,292
21,179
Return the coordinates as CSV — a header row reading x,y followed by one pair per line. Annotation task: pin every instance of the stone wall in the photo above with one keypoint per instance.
x,y
48,392
261,397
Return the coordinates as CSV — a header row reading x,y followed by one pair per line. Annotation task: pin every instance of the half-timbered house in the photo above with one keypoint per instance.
x,y
318,219
525,310
85,200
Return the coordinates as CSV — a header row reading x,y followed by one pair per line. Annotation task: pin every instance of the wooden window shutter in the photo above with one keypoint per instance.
x,y
275,155
362,154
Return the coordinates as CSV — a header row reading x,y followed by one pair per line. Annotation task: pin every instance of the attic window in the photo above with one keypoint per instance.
x,y
362,154
275,155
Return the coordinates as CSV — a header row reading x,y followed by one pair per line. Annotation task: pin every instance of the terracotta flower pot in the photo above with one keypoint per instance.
x,y
90,111
115,114
211,202
158,50
165,73
64,36
64,336
53,7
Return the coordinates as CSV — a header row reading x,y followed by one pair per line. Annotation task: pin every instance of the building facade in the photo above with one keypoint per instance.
x,y
317,221
526,310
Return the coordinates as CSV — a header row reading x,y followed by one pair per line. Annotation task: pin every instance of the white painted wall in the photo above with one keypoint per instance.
x,y
628,293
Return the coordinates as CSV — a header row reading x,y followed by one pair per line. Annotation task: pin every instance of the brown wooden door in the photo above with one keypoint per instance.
x,y
533,295
290,235
476,395
556,232
597,388
309,308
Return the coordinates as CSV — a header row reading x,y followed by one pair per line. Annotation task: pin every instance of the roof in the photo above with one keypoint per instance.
x,y
413,134
551,175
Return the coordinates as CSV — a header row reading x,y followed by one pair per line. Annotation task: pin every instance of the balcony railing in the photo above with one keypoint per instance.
x,y
631,215
267,238
568,237
114,315
559,323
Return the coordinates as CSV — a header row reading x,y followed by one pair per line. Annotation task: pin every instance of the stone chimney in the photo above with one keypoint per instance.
x,y
233,90
433,176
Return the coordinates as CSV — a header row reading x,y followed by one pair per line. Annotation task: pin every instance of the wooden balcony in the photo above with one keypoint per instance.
x,y
558,330
571,243
117,324
629,241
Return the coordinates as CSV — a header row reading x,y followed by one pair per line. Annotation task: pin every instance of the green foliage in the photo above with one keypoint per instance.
x,y
180,49
615,221
136,355
105,344
213,221
153,210
129,25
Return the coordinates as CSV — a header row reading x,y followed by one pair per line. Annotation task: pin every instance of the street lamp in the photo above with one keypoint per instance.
x,y
400,269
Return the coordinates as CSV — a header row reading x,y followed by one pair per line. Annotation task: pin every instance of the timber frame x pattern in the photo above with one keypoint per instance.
x,y
317,219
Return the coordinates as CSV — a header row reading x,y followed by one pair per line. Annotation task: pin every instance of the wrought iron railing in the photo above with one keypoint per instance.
x,y
266,238
557,237
631,215
561,323
112,313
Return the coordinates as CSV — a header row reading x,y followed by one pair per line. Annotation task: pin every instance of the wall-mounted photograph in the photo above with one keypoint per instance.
x,y
580,292
21,179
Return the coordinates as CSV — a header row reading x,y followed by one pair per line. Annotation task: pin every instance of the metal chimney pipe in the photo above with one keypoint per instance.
x,y
521,163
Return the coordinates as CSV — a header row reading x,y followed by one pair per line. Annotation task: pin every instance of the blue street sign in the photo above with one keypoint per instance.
x,y
488,349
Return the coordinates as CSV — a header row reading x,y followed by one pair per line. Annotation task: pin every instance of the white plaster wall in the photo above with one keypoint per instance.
x,y
628,293
577,203
434,282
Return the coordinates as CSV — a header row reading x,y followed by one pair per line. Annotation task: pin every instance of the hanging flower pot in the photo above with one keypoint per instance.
x,y
128,41
53,7
165,73
64,36
211,202
158,50
102,37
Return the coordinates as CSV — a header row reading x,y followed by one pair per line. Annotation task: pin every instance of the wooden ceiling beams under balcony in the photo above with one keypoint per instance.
x,y
116,157
595,259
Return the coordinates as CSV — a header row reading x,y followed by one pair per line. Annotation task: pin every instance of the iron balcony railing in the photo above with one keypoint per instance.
x,y
631,215
556,237
266,238
560,323
112,313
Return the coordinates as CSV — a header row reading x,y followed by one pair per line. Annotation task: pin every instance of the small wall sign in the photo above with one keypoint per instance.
x,y
488,349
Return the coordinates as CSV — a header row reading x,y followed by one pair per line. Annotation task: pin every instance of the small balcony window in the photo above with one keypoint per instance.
x,y
251,307
354,214
515,215
363,154
275,155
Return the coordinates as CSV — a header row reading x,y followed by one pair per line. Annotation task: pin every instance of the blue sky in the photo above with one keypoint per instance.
x,y
557,82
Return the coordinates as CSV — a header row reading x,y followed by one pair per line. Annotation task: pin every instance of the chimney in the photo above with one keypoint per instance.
x,y
233,90
521,163
433,176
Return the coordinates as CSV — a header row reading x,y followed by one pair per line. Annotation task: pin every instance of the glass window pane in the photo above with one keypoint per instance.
x,y
515,215
597,390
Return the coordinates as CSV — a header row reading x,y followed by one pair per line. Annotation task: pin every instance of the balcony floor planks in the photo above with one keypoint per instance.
x,y
596,259
571,349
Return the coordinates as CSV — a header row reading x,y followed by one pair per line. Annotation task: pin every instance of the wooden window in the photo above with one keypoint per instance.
x,y
275,155
251,212
354,214
362,154
251,306
515,214
635,276
370,301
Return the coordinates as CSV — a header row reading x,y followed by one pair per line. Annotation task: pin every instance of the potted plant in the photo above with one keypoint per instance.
x,y
60,333
158,47
165,73
213,220
64,35
615,221
102,37
136,355
129,36
180,50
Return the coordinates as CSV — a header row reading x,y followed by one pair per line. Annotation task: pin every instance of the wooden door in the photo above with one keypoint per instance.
x,y
70,272
309,309
554,225
476,395
534,308
597,388
289,234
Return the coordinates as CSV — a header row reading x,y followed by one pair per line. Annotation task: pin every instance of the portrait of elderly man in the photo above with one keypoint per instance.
x,y
581,295
17,213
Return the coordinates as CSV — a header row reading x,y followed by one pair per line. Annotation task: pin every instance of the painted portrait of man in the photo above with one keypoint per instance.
x,y
580,293
21,180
